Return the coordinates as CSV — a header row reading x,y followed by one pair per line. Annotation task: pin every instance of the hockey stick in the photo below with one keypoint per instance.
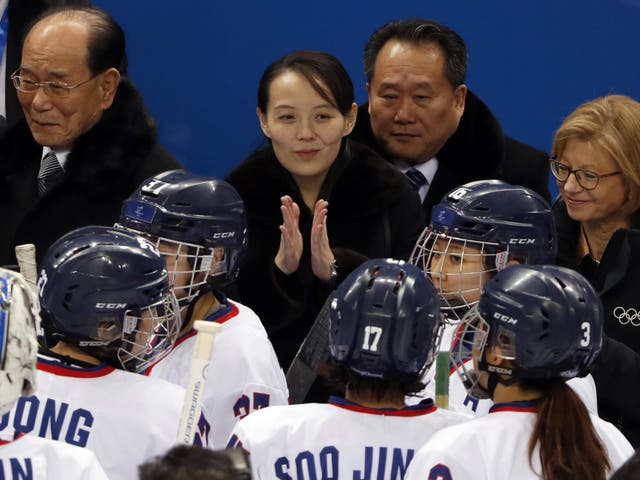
x,y
197,375
442,379
26,256
314,350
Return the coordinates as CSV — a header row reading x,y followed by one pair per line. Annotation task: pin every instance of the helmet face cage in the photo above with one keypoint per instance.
x,y
134,339
188,266
458,269
148,334
468,351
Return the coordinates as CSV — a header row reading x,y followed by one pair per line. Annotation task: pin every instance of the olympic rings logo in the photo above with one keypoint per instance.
x,y
624,316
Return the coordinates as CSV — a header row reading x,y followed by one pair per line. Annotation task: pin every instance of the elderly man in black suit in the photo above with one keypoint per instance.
x,y
422,117
86,141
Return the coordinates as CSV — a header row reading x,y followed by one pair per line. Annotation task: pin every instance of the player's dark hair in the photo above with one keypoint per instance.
x,y
419,31
338,376
188,462
106,45
570,448
323,71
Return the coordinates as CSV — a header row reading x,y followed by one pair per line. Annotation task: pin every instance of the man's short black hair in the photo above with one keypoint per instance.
x,y
420,31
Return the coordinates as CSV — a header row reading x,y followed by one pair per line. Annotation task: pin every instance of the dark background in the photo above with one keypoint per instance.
x,y
198,62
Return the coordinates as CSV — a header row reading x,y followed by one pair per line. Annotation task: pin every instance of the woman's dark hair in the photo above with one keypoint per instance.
x,y
570,448
322,70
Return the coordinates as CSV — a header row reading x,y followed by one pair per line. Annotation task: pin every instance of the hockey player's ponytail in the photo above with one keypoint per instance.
x,y
569,445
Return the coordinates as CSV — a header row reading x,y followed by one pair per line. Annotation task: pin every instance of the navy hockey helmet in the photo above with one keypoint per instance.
x,y
475,231
385,320
200,220
547,321
19,324
107,291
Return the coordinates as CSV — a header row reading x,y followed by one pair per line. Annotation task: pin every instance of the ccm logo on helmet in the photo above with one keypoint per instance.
x,y
111,306
522,241
224,235
505,318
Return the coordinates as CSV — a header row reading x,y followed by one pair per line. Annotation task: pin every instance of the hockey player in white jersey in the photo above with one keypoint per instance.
x,y
533,328
384,330
199,225
107,312
477,230
25,456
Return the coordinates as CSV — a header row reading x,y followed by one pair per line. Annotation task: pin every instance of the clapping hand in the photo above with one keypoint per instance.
x,y
290,250
291,244
321,254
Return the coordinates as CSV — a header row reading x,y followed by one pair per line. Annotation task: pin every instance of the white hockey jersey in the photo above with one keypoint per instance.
x,y
495,447
36,458
337,440
123,417
244,374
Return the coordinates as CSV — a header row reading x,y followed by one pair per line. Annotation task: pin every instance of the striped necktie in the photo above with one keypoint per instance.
x,y
50,172
416,178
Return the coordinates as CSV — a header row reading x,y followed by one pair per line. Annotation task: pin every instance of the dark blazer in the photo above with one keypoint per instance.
x,y
477,150
105,165
21,14
372,213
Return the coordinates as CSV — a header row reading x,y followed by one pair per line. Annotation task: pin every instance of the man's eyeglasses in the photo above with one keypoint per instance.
x,y
585,178
54,89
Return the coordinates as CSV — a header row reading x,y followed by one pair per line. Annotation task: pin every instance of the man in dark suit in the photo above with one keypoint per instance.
x,y
20,14
421,116
86,141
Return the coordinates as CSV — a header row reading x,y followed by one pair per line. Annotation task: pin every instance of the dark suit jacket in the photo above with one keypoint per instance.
x,y
477,150
21,14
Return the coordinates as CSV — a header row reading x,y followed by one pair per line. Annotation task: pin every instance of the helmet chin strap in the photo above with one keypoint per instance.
x,y
495,377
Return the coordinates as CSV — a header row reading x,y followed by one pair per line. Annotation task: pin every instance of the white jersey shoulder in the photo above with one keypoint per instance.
x,y
244,374
124,418
37,458
337,440
495,447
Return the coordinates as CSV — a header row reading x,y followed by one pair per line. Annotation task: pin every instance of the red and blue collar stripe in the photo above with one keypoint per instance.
x,y
423,408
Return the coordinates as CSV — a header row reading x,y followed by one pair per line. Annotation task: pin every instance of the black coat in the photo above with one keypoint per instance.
x,y
477,150
617,369
105,165
372,213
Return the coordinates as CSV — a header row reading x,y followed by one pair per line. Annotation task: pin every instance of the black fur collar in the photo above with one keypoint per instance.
x,y
359,183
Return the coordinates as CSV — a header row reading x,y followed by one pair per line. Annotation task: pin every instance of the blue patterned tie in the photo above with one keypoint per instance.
x,y
416,178
50,172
